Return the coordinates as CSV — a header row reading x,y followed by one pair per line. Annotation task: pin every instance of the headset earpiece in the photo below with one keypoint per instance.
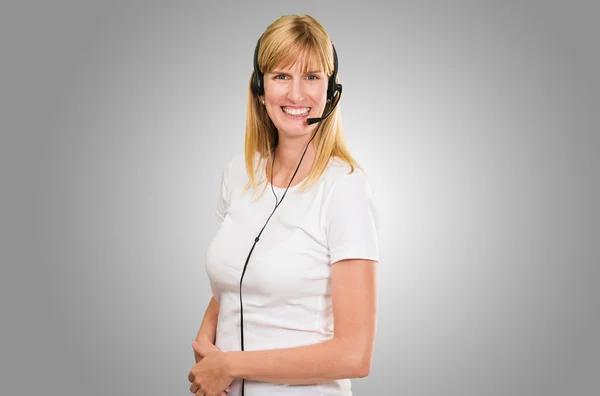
x,y
257,80
332,87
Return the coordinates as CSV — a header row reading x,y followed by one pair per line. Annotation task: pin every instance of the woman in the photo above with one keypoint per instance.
x,y
293,271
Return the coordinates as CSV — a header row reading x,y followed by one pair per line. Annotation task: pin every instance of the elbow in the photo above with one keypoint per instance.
x,y
362,368
358,363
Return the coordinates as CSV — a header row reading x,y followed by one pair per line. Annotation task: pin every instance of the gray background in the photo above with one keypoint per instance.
x,y
477,123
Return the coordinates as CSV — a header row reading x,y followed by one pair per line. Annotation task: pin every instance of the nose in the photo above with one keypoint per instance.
x,y
295,92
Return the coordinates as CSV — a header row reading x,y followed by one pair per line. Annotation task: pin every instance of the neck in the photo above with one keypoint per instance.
x,y
288,154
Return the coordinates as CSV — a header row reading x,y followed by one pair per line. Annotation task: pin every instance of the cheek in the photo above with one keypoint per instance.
x,y
319,94
319,99
274,92
273,111
273,96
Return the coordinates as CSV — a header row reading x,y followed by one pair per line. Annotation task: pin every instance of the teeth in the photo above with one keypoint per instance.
x,y
292,111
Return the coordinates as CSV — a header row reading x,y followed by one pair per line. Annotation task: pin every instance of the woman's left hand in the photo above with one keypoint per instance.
x,y
211,376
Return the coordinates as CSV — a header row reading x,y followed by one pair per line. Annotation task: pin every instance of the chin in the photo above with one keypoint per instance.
x,y
295,128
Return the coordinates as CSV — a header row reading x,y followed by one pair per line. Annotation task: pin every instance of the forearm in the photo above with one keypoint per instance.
x,y
208,328
325,361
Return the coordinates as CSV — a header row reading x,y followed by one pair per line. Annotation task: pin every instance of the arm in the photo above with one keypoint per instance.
x,y
347,355
208,328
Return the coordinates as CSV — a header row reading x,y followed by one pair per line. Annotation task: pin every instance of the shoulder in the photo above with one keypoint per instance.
x,y
234,168
236,161
339,174
350,215
346,190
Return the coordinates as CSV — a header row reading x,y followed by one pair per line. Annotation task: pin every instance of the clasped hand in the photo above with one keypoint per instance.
x,y
209,376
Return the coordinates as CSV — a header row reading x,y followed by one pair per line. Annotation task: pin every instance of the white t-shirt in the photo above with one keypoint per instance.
x,y
286,290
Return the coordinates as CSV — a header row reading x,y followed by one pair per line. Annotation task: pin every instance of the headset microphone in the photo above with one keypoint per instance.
x,y
338,87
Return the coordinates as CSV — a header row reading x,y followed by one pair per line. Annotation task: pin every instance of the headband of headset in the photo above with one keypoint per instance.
x,y
258,87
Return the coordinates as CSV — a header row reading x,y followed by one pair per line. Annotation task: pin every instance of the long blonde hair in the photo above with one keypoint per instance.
x,y
280,46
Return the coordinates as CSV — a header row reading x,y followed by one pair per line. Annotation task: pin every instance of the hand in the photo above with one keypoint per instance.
x,y
210,376
207,346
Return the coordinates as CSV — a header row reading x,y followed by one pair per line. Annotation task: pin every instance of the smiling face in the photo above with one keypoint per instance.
x,y
294,94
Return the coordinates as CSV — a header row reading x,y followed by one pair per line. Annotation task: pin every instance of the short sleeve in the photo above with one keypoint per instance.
x,y
351,219
222,200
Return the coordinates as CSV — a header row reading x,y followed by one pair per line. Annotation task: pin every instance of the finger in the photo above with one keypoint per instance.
x,y
194,388
191,377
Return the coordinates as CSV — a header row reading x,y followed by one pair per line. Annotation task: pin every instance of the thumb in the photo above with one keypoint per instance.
x,y
200,348
204,348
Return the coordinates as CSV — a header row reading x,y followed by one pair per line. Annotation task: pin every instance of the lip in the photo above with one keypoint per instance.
x,y
296,117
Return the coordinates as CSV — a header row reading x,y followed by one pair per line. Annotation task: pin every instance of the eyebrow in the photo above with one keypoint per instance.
x,y
283,72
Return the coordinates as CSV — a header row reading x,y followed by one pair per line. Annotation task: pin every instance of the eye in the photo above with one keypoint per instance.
x,y
280,77
312,77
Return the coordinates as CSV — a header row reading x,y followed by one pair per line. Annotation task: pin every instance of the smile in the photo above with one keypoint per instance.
x,y
296,111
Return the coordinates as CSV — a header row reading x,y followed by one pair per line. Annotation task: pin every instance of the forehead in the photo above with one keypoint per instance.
x,y
305,62
300,68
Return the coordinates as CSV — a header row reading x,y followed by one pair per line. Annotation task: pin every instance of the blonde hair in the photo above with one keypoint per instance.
x,y
280,46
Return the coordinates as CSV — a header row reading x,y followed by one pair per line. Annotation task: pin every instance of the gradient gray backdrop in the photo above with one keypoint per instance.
x,y
477,123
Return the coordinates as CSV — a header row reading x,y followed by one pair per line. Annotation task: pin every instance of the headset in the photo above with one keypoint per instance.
x,y
258,88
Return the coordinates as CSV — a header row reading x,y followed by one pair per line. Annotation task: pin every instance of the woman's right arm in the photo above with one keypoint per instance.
x,y
208,328
208,331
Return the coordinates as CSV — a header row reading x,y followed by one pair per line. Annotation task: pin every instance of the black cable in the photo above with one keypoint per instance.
x,y
277,203
338,88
